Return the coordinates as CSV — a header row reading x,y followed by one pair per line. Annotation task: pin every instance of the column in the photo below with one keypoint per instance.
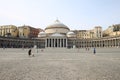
x,y
51,42
119,42
57,42
60,42
106,42
112,43
96,43
109,43
66,43
54,42
101,43
46,43
63,43
90,43
87,43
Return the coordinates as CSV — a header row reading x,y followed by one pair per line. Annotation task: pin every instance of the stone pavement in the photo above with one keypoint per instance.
x,y
60,64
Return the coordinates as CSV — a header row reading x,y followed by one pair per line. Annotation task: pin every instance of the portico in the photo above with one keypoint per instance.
x,y
56,40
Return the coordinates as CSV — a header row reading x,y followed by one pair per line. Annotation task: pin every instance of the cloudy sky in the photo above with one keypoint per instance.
x,y
76,14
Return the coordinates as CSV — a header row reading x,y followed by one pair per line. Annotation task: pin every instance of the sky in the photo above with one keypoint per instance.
x,y
76,14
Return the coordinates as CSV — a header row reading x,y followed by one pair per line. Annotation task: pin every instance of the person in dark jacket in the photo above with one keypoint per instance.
x,y
29,52
94,51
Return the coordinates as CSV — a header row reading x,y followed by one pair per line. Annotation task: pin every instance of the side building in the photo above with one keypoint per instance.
x,y
28,31
8,31
111,31
89,34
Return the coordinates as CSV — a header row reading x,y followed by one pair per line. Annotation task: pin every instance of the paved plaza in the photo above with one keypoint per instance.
x,y
60,64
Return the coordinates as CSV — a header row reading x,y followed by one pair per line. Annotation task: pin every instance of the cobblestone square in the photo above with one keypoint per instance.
x,y
60,64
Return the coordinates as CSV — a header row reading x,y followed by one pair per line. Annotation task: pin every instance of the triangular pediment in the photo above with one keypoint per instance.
x,y
57,35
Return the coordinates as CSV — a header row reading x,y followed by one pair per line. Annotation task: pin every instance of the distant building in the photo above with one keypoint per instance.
x,y
89,34
8,31
113,30
28,31
98,32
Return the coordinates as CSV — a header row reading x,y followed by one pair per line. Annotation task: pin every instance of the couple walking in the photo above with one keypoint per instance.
x,y
32,51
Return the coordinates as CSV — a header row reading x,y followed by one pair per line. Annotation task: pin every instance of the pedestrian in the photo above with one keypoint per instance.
x,y
34,50
94,51
29,52
33,54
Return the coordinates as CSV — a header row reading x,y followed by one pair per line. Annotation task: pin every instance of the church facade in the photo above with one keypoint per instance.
x,y
57,35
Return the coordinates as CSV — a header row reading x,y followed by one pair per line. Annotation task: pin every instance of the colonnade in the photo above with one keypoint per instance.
x,y
110,42
20,43
59,42
56,42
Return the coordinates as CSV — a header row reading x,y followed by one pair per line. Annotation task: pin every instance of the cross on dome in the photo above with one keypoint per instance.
x,y
57,20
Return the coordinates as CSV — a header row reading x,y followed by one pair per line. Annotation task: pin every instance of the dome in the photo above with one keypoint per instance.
x,y
57,27
41,34
71,34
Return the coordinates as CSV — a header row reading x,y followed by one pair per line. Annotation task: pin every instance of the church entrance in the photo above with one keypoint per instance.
x,y
56,42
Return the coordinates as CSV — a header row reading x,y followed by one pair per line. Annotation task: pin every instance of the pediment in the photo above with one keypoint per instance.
x,y
57,35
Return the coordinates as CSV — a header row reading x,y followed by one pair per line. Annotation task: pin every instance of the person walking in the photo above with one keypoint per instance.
x,y
94,51
34,50
29,52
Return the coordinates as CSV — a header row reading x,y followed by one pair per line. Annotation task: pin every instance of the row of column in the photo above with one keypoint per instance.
x,y
101,43
56,42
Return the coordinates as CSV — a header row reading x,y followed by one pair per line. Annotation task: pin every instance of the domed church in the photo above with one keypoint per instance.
x,y
57,35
